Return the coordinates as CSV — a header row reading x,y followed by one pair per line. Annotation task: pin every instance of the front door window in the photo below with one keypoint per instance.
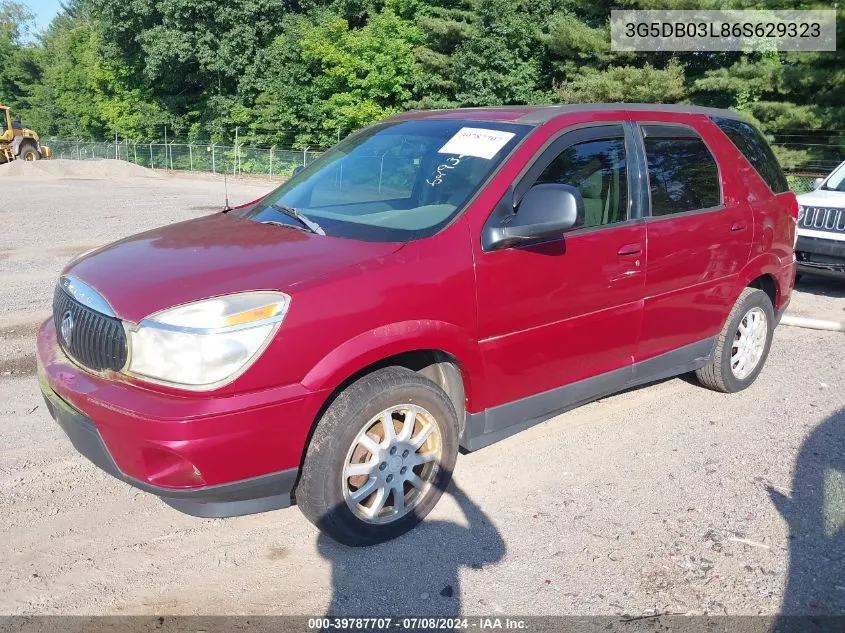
x,y
597,169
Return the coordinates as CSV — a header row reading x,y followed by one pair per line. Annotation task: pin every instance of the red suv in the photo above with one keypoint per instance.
x,y
440,280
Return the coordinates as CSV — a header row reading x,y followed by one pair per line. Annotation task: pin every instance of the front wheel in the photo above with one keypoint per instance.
x,y
380,457
743,344
29,153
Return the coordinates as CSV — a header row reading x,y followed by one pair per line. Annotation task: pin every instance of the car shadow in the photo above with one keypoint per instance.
x,y
415,574
815,512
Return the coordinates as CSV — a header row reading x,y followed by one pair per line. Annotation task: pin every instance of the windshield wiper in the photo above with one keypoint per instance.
x,y
300,217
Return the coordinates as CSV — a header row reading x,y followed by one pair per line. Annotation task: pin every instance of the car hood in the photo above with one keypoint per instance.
x,y
210,256
822,198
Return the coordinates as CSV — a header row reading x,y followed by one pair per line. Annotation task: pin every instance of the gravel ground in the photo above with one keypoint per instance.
x,y
668,498
819,298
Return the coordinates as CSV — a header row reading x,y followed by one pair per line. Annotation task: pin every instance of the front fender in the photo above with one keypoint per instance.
x,y
396,338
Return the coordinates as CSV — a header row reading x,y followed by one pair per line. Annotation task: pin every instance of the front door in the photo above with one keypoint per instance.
x,y
569,309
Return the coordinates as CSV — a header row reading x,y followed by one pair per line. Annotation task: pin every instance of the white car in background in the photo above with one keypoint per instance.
x,y
821,227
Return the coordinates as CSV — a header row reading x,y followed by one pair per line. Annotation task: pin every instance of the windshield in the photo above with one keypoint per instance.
x,y
395,181
836,181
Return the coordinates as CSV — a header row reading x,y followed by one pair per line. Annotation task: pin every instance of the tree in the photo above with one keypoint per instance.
x,y
304,72
445,25
340,79
499,61
79,94
626,84
17,68
190,56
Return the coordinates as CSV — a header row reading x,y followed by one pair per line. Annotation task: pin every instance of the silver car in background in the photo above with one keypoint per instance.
x,y
821,227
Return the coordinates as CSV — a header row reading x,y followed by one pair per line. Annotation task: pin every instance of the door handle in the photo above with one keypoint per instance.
x,y
739,226
630,249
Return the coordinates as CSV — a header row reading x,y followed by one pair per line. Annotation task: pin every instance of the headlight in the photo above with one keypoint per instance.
x,y
205,344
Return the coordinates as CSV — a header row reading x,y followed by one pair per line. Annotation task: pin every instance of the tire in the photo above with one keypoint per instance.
x,y
326,493
29,152
720,374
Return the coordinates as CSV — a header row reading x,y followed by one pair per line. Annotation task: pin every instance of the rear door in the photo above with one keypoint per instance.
x,y
699,236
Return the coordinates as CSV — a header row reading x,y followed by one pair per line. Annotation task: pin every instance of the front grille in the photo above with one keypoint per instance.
x,y
92,339
822,219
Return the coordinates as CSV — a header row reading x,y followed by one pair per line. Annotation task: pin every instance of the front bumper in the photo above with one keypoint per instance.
x,y
204,455
819,256
259,494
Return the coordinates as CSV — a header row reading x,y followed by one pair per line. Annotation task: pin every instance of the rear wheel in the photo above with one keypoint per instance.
x,y
743,344
380,457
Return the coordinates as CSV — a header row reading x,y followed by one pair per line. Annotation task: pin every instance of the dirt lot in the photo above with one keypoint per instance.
x,y
819,298
666,498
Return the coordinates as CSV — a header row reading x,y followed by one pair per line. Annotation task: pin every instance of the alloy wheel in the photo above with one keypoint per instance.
x,y
391,463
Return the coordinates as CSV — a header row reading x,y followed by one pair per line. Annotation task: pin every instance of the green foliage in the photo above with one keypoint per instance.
x,y
330,80
17,65
307,72
626,83
499,62
358,75
791,158
79,94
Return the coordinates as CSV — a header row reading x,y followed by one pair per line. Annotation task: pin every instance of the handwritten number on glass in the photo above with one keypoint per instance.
x,y
440,171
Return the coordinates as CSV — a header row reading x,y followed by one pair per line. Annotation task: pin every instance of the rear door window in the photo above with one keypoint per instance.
x,y
756,150
682,173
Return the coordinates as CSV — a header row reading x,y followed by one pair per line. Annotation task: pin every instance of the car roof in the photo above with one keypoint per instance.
x,y
538,114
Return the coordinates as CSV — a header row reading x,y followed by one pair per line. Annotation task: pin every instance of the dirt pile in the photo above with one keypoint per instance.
x,y
107,169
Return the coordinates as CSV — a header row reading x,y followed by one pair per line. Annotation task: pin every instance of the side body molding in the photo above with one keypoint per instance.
x,y
498,423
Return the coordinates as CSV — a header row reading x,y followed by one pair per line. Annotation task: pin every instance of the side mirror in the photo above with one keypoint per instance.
x,y
298,169
546,211
817,183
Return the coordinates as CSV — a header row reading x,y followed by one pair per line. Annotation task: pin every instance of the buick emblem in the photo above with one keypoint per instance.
x,y
66,327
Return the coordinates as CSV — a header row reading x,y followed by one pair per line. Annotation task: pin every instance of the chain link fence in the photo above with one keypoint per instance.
x,y
201,157
241,159
802,182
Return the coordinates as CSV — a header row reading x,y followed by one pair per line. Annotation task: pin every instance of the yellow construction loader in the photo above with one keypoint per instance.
x,y
18,142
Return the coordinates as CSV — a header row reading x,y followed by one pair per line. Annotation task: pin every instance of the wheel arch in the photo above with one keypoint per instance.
x,y
440,367
439,351
764,273
768,284
20,142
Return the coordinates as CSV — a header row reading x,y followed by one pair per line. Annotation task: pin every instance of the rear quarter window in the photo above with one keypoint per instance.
x,y
756,150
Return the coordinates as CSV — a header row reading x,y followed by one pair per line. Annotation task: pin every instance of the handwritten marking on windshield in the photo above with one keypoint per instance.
x,y
440,170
